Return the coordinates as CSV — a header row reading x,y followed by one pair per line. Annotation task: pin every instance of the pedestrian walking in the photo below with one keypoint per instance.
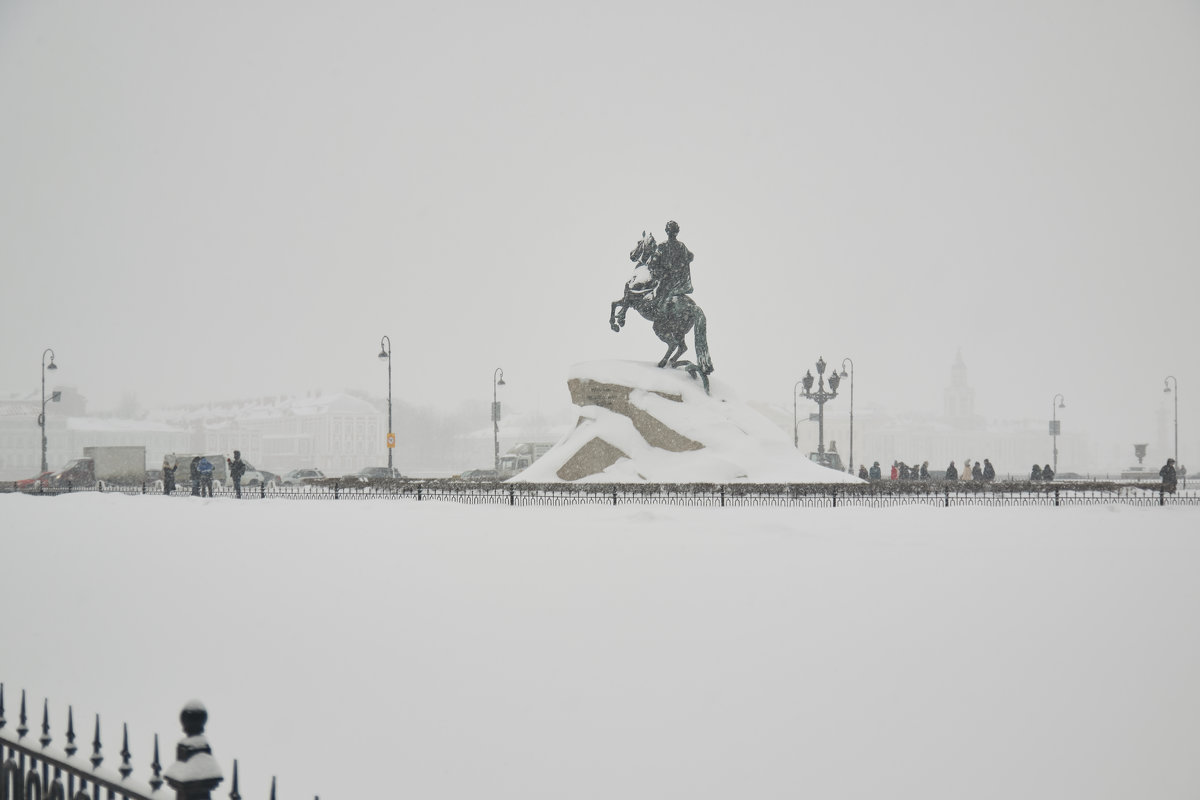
x,y
895,471
951,472
170,464
977,473
875,472
1167,473
1047,473
205,467
1035,474
194,474
966,472
237,468
989,472
862,472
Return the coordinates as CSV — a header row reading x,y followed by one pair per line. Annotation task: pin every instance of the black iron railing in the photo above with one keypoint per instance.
x,y
877,494
36,767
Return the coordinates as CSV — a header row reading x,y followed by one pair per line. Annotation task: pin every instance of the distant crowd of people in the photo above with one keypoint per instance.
x,y
200,472
985,472
978,472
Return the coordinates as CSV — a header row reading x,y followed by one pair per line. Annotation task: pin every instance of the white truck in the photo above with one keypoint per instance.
x,y
117,464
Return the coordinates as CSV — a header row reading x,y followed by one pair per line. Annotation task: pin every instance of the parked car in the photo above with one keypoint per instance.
x,y
42,480
480,475
300,477
367,474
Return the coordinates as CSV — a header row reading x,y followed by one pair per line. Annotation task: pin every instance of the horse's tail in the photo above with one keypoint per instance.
x,y
702,354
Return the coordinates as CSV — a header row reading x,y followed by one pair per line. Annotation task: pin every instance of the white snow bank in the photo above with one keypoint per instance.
x,y
739,443
638,651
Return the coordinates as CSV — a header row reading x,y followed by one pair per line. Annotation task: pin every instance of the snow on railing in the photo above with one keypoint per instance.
x,y
36,768
872,494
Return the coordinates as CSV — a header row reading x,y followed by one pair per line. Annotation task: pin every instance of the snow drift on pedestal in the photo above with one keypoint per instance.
x,y
640,423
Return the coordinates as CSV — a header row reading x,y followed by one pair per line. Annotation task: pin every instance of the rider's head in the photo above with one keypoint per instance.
x,y
672,228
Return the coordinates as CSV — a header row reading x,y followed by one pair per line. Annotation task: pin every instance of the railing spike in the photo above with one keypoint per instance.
x,y
70,748
125,767
97,757
233,792
272,787
157,780
22,728
1,705
45,737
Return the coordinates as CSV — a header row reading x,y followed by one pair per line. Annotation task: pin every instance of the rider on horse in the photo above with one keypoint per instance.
x,y
672,266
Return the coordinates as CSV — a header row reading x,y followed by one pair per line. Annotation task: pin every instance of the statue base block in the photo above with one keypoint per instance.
x,y
639,423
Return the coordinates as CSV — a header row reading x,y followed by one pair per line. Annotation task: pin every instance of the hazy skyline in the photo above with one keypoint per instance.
x,y
209,204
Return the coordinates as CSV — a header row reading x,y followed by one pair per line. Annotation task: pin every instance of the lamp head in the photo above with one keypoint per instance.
x,y
501,381
807,381
384,354
1166,384
1062,403
820,366
834,380
51,365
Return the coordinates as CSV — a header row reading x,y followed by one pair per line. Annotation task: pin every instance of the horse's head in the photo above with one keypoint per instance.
x,y
643,250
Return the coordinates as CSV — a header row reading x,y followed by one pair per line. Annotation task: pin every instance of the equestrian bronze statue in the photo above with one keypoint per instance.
x,y
659,290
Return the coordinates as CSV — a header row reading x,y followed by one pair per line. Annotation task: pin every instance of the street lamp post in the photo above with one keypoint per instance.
x,y
497,380
844,360
54,397
1167,388
820,397
385,353
1061,403
795,420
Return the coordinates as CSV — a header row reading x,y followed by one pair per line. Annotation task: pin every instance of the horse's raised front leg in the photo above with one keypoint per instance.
x,y
615,320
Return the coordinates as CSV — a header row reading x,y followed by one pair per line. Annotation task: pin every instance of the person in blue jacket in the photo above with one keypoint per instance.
x,y
206,471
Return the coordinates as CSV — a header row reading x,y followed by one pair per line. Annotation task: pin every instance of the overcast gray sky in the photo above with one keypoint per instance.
x,y
216,201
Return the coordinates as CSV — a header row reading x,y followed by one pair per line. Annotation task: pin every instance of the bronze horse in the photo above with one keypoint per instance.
x,y
672,322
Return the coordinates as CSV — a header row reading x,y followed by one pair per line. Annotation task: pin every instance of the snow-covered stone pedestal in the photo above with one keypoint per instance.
x,y
639,423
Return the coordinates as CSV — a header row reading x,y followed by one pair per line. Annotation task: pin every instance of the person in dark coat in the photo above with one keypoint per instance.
x,y
989,472
168,469
904,471
977,474
1047,473
237,468
205,468
194,474
1169,478
862,472
875,472
1035,474
951,472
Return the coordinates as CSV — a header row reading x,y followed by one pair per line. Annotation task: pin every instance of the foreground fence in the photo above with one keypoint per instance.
x,y
882,494
35,767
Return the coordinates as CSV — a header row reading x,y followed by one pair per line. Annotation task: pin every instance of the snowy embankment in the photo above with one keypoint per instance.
x,y
443,651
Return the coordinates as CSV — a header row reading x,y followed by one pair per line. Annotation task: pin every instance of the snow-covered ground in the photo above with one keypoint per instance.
x,y
443,651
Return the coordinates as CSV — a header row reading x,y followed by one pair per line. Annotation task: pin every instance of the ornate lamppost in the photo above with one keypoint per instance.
x,y
844,360
1054,426
385,353
55,397
497,380
1167,388
820,397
